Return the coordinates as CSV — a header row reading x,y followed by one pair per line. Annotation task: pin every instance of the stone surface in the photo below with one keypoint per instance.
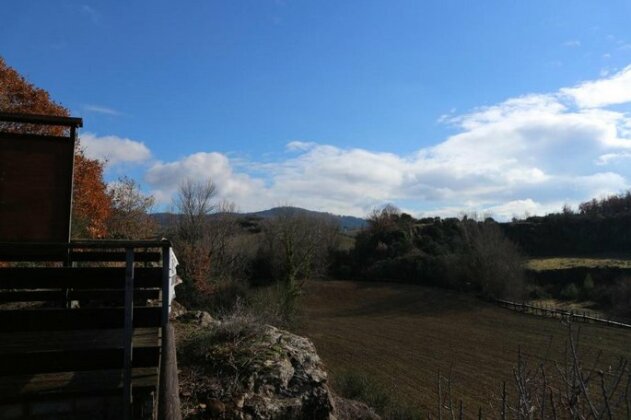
x,y
177,310
355,410
237,371
201,318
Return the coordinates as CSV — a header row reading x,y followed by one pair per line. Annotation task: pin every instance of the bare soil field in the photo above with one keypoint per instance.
x,y
402,335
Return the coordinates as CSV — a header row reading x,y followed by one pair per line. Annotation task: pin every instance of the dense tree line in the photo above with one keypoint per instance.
x,y
599,227
464,254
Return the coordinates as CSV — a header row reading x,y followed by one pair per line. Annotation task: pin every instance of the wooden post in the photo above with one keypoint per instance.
x,y
503,412
166,286
440,399
128,333
169,397
169,401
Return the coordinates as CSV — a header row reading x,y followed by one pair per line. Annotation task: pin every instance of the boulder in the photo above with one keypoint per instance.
x,y
177,310
200,318
355,410
234,370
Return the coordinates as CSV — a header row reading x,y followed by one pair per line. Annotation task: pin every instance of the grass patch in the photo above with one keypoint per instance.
x,y
361,387
542,264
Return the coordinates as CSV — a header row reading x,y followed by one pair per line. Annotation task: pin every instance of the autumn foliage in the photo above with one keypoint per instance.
x,y
91,204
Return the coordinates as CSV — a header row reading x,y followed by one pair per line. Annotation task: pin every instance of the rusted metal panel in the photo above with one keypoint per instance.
x,y
35,187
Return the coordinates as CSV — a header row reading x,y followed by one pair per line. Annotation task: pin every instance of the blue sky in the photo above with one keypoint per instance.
x,y
508,107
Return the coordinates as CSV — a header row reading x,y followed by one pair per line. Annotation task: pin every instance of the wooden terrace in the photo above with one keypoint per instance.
x,y
84,330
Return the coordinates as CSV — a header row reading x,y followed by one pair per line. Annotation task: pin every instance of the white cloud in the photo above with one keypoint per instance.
x,y
529,154
574,43
101,109
165,178
300,146
114,150
599,93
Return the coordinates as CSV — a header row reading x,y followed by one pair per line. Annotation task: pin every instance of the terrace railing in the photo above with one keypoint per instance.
x,y
87,319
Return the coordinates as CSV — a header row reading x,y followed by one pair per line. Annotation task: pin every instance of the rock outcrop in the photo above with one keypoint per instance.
x,y
237,369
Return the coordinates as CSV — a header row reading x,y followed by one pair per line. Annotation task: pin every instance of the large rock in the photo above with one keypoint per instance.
x,y
177,310
353,410
238,370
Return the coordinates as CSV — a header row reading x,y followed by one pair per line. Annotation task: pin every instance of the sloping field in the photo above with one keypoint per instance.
x,y
560,263
402,335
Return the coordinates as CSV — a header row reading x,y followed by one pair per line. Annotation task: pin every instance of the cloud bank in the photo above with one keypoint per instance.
x,y
529,154
114,150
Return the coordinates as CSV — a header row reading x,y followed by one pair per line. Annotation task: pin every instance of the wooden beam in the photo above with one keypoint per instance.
x,y
102,256
76,277
76,319
46,341
109,296
76,360
120,244
41,119
49,386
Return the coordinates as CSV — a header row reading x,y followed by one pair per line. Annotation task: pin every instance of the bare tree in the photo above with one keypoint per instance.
x,y
193,240
194,202
129,218
570,389
214,253
561,389
298,246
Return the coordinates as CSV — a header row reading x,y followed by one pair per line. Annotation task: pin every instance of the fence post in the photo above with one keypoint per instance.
x,y
168,398
128,333
440,398
503,412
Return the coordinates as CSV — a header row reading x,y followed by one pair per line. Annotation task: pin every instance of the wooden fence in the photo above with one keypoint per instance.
x,y
581,316
85,326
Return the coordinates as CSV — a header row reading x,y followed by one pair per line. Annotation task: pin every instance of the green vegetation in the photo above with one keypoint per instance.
x,y
598,228
357,385
561,263
463,254
570,292
385,343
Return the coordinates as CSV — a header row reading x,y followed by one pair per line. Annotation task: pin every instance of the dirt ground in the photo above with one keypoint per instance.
x,y
403,335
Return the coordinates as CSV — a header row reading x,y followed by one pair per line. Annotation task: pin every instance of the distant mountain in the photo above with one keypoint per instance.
x,y
346,223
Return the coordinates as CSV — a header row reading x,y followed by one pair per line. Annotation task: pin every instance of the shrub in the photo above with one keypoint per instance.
x,y
361,387
494,262
272,305
621,297
588,286
538,292
570,292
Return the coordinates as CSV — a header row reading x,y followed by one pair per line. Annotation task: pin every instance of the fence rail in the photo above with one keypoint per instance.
x,y
580,316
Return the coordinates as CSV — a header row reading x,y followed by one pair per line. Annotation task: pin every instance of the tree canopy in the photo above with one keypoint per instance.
x,y
91,204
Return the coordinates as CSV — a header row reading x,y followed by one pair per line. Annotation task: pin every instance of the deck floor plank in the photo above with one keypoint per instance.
x,y
40,341
24,387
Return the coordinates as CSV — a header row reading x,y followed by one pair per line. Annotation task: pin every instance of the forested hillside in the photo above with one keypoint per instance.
x,y
599,227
